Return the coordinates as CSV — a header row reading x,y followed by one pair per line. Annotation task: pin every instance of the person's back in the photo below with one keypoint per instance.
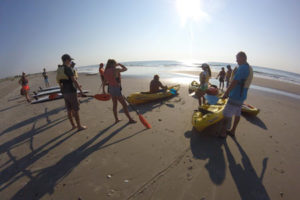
x,y
110,76
222,74
154,86
67,85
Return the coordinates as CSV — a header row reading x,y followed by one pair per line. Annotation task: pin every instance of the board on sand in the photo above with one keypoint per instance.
x,y
48,88
38,94
51,97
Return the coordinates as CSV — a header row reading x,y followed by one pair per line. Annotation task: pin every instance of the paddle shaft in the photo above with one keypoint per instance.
x,y
133,108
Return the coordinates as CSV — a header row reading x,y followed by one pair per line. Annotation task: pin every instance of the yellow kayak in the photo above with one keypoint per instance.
x,y
207,116
246,108
146,97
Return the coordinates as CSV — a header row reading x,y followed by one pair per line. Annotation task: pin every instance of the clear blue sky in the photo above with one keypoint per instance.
x,y
35,33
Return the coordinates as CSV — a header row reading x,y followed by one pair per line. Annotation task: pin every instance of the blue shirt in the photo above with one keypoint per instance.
x,y
239,93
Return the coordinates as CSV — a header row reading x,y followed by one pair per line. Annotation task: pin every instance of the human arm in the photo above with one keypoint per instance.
x,y
77,85
123,68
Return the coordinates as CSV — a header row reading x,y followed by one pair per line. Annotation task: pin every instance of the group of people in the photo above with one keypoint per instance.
x,y
237,84
224,76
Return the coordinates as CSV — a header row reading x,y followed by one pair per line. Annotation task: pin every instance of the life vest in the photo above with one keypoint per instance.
x,y
110,77
60,74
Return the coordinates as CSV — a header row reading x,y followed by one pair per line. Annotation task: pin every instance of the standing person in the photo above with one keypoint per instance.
x,y
204,80
25,87
237,93
45,78
112,75
221,77
68,88
103,82
228,75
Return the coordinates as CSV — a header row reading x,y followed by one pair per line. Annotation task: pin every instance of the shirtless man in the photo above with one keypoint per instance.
x,y
155,85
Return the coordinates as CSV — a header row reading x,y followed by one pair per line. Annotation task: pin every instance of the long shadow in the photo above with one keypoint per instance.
x,y
256,121
45,181
248,183
32,119
29,135
8,108
9,175
205,146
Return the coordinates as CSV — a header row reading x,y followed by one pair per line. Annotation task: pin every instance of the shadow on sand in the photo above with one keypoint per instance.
x,y
256,121
205,146
46,179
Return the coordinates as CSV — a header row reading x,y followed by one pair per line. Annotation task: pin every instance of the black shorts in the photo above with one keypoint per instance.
x,y
221,79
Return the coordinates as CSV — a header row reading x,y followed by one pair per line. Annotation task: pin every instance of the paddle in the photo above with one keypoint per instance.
x,y
142,119
100,97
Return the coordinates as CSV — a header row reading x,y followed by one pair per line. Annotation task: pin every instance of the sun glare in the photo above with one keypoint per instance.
x,y
191,10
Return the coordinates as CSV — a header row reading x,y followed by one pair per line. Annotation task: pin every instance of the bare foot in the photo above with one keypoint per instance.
x,y
73,127
117,121
81,128
230,133
132,121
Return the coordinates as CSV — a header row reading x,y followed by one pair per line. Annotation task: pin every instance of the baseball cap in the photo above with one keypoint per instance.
x,y
66,57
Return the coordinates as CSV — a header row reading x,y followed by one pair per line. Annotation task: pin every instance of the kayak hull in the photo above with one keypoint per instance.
x,y
146,97
246,108
202,119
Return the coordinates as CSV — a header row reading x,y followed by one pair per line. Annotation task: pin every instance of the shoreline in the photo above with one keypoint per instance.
x,y
263,82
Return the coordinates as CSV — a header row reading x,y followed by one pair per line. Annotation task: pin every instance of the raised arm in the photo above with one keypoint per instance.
x,y
123,68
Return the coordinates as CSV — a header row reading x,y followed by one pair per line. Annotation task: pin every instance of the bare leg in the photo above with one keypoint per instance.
x,y
235,124
224,127
103,87
27,96
76,116
71,119
125,108
115,106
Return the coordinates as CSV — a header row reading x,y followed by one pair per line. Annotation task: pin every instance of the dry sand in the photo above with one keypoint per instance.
x,y
41,158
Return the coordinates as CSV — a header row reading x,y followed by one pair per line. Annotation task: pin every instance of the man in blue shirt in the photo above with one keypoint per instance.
x,y
237,93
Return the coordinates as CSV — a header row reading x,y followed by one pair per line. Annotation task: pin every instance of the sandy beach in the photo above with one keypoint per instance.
x,y
41,158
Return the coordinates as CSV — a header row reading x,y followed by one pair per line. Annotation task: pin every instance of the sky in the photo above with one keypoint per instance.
x,y
35,33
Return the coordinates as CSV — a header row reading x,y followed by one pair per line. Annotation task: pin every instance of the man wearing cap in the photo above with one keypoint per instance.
x,y
237,93
69,88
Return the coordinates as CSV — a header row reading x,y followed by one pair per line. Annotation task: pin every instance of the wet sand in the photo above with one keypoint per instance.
x,y
269,83
41,158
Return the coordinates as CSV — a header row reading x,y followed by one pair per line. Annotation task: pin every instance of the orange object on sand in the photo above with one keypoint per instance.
x,y
53,96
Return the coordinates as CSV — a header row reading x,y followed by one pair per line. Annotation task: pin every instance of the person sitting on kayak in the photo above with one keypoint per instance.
x,y
25,88
204,80
155,85
112,75
103,82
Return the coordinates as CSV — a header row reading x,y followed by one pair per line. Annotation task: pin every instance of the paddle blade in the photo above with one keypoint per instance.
x,y
53,96
144,122
102,97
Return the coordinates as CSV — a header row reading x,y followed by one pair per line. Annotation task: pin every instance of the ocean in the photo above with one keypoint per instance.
x,y
170,70
149,68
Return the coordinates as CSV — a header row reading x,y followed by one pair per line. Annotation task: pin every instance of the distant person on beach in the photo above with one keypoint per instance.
x,y
156,85
68,88
221,77
237,93
103,82
204,81
112,75
45,78
228,75
25,87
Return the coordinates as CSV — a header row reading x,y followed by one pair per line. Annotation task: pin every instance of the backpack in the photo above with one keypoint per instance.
x,y
60,74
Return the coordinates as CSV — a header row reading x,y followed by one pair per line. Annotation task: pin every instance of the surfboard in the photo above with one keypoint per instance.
x,y
51,97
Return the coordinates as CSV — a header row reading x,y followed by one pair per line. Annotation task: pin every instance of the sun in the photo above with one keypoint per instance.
x,y
191,10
